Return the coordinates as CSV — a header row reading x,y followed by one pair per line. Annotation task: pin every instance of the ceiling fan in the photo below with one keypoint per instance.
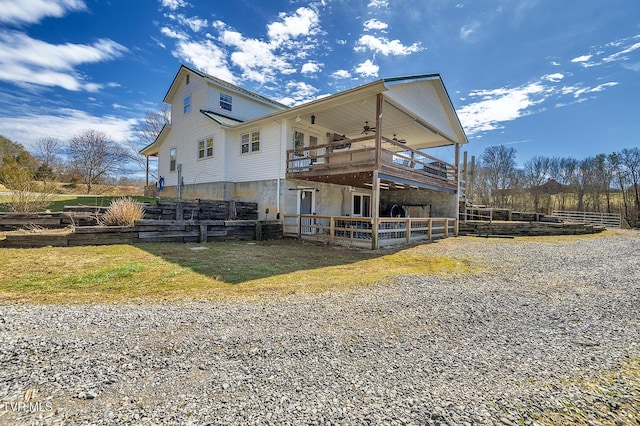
x,y
399,140
367,128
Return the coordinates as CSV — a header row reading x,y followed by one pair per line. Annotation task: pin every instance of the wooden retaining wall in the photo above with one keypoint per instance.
x,y
201,210
143,231
517,228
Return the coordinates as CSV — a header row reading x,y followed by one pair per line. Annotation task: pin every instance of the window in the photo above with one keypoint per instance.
x,y
298,140
226,101
361,205
250,142
205,148
187,79
172,160
187,104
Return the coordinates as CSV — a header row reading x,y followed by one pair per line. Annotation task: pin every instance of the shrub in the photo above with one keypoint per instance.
x,y
26,195
122,212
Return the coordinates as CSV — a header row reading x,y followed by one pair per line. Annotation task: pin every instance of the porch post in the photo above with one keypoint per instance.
x,y
147,157
458,183
379,102
375,214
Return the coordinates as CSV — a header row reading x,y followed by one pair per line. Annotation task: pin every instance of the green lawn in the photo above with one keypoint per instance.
x,y
59,201
169,271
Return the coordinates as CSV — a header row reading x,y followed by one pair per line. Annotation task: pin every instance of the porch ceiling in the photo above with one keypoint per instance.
x,y
349,119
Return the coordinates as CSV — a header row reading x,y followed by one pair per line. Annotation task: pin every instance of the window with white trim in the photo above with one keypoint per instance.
x,y
250,142
172,159
226,101
361,205
187,104
205,148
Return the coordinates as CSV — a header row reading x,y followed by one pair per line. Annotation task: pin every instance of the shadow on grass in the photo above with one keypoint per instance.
x,y
235,262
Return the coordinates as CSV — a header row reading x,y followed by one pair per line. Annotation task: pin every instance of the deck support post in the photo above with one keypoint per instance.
x,y
375,214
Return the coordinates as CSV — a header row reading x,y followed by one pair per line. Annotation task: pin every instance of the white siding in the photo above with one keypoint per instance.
x,y
422,99
243,107
263,164
186,130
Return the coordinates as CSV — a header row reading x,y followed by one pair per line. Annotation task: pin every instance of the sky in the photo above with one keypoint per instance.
x,y
554,78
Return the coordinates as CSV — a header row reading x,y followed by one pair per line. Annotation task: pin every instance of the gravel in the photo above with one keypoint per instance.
x,y
502,346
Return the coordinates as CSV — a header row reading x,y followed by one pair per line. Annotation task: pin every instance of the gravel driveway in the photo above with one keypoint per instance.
x,y
495,347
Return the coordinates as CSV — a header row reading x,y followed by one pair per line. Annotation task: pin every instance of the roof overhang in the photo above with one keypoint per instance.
x,y
151,150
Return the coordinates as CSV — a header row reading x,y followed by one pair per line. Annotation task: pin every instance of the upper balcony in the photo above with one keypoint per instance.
x,y
352,161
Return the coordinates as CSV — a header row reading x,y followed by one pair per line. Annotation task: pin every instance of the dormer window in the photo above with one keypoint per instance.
x,y
226,101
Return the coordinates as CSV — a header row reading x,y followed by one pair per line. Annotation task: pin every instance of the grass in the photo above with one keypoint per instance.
x,y
175,271
59,201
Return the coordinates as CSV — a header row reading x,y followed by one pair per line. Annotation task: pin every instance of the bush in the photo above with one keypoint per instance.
x,y
122,212
26,195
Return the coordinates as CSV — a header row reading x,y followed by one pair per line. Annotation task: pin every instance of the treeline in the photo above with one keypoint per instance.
x,y
90,157
607,183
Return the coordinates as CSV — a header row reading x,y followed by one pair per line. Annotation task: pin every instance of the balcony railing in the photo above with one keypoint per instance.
x,y
358,231
347,155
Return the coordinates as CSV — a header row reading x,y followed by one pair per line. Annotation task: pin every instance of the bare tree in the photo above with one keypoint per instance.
x,y
499,163
94,155
146,131
630,158
537,172
620,177
47,150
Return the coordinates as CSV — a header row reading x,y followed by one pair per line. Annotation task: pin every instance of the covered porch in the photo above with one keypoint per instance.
x,y
380,141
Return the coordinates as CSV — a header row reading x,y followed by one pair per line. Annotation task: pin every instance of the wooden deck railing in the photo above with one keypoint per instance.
x,y
345,155
358,231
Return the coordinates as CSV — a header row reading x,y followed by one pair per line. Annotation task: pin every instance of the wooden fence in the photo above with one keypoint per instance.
x,y
358,231
608,220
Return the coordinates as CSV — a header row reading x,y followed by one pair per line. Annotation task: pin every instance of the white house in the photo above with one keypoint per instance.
x,y
357,157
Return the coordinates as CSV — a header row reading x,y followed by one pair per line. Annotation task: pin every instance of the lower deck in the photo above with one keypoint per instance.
x,y
367,232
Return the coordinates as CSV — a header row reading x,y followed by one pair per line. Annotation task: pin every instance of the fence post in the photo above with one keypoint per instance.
x,y
446,228
429,228
332,229
408,225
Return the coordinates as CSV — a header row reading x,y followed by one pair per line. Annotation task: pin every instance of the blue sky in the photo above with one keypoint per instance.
x,y
548,77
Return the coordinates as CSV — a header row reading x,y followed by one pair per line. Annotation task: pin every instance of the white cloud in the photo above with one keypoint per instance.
x,y
468,30
555,77
299,92
374,24
384,46
310,68
621,55
302,23
289,39
173,33
555,64
579,91
30,61
341,74
205,56
500,105
378,4
254,57
583,58
173,4
32,11
63,124
194,23
367,69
